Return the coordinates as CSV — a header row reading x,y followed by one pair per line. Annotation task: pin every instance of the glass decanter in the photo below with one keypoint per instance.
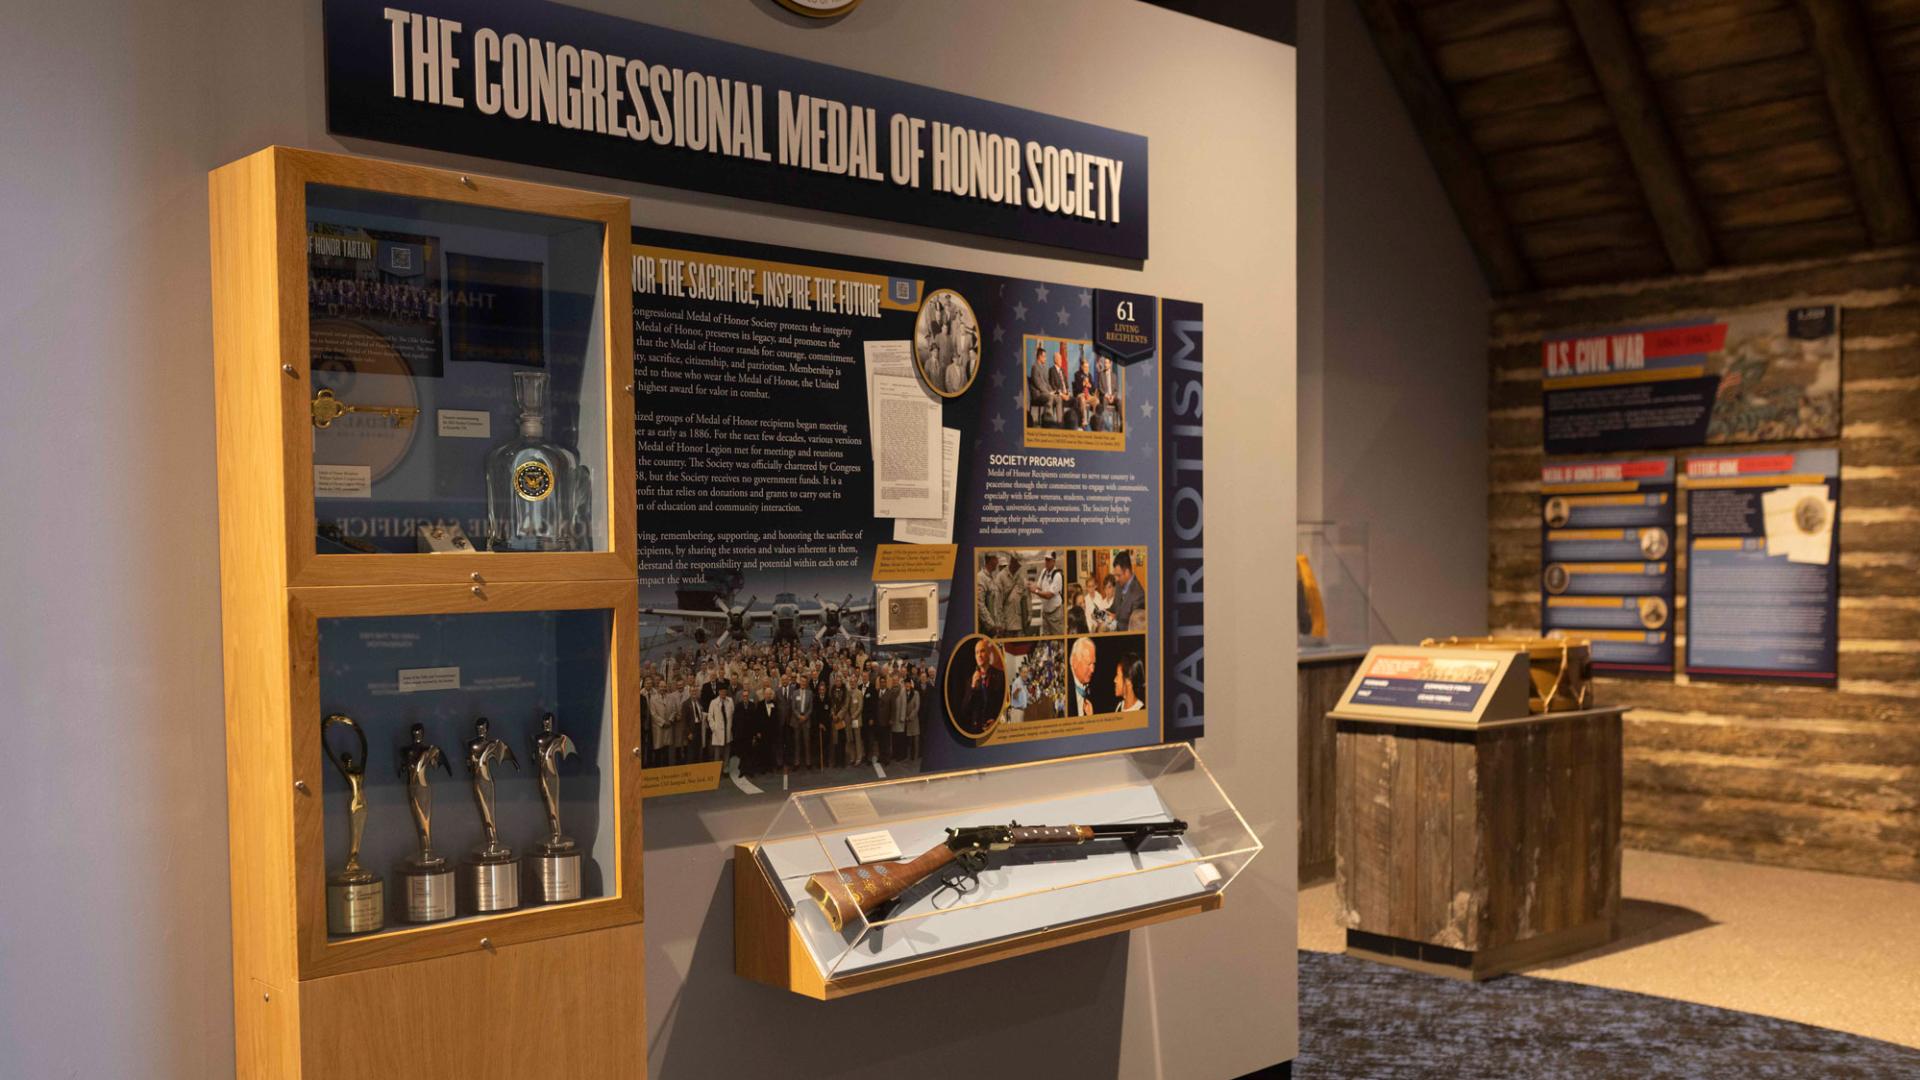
x,y
537,490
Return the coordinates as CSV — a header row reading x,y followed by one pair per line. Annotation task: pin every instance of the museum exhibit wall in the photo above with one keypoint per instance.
x,y
1802,776
114,923
1393,328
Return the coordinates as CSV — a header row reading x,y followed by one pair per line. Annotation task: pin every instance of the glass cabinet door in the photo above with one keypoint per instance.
x,y
458,376
467,765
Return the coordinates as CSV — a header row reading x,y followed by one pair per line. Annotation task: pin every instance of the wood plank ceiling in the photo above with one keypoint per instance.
x,y
1590,141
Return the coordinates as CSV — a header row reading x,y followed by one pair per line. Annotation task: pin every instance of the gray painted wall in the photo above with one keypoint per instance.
x,y
114,958
1393,336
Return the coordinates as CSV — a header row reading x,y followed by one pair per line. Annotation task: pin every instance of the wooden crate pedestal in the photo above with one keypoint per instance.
x,y
1475,851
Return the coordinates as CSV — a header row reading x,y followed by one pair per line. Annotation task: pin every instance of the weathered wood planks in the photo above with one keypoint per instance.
x,y
1480,841
1321,684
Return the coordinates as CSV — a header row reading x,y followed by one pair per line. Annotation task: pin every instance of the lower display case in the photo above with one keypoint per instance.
x,y
859,887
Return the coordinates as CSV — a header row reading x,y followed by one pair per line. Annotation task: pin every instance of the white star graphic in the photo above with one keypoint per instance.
x,y
1019,312
999,379
999,423
1064,317
1146,409
998,333
1086,298
1041,292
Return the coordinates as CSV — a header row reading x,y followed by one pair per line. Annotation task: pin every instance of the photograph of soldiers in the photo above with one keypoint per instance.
x,y
946,342
1019,592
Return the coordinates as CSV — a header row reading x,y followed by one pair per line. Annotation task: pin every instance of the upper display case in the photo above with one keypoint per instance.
x,y
1334,588
857,887
456,363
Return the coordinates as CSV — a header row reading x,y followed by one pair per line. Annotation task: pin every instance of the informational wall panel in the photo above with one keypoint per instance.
x,y
1607,547
1755,376
896,518
1763,567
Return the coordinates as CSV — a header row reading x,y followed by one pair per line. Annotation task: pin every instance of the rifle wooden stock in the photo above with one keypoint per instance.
x,y
857,890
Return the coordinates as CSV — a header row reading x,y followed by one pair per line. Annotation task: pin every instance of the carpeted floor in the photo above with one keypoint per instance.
x,y
1364,1020
1828,950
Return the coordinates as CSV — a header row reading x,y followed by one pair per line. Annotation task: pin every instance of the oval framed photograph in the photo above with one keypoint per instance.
x,y
1653,612
1557,579
1557,512
820,9
1653,544
975,687
946,343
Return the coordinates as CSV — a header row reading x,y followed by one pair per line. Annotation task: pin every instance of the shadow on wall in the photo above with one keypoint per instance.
x,y
918,1025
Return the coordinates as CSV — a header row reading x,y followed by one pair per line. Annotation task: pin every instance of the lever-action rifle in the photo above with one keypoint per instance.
x,y
862,890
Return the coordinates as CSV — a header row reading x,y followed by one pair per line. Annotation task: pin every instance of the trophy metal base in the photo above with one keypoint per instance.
x,y
356,905
557,875
493,885
429,892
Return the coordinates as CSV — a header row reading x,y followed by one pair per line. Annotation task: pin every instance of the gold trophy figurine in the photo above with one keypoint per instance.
x,y
492,870
425,878
356,898
556,861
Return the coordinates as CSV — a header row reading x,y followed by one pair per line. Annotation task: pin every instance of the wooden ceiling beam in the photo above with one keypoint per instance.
x,y
1463,175
1860,112
1622,74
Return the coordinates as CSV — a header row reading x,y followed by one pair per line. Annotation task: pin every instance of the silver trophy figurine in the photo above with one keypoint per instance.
x,y
556,861
492,870
356,898
426,879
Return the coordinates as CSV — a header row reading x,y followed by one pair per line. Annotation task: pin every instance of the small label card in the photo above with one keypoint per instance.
x,y
873,846
851,808
465,424
414,680
342,482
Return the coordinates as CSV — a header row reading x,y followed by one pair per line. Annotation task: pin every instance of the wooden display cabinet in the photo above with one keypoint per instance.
x,y
538,990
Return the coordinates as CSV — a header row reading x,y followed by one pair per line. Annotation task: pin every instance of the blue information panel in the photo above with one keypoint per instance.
x,y
1763,571
1606,542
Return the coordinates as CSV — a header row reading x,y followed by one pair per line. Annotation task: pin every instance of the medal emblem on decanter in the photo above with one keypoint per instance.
x,y
533,481
537,490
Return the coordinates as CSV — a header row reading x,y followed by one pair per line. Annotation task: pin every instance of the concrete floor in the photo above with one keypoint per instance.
x,y
1824,949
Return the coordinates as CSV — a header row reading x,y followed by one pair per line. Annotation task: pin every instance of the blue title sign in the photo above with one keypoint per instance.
x,y
550,85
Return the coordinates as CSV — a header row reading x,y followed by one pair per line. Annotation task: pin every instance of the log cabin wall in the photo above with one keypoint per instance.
x,y
1621,161
1825,779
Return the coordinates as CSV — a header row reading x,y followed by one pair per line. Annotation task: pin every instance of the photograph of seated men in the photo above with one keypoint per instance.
x,y
1071,388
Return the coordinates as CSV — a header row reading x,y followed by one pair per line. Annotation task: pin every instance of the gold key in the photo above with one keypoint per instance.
x,y
327,408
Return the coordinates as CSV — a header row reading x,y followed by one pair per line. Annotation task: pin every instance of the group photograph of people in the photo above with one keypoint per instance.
x,y
1071,387
1063,629
946,342
775,708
